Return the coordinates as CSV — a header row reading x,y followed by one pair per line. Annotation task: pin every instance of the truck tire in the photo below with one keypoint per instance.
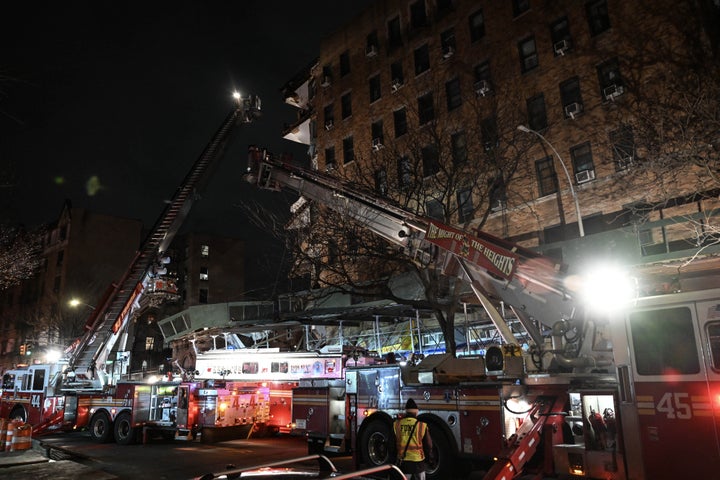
x,y
101,428
18,413
125,434
445,461
377,444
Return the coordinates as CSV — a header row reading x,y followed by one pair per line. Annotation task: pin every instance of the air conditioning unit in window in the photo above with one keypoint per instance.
x,y
482,88
376,144
371,51
329,125
329,167
326,81
561,47
396,84
573,110
625,162
585,176
448,52
613,91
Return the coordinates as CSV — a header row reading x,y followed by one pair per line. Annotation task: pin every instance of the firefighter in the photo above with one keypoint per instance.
x,y
412,440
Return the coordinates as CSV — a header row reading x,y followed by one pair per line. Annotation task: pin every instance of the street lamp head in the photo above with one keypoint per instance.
x,y
236,95
523,128
74,302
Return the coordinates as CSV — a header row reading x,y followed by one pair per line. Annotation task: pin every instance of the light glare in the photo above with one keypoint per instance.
x,y
607,289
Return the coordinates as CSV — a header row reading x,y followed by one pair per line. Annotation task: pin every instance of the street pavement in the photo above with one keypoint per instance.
x,y
41,462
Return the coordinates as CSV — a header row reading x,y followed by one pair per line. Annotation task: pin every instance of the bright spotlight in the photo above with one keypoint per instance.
x,y
236,95
607,288
52,356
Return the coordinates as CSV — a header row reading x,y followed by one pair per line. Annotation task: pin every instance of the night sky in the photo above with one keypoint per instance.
x,y
109,103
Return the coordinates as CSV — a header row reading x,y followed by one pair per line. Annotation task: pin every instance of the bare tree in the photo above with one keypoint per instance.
x,y
20,254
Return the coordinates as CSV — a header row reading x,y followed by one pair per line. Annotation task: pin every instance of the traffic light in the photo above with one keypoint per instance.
x,y
22,349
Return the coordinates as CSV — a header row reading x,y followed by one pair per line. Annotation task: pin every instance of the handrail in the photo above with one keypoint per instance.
x,y
325,468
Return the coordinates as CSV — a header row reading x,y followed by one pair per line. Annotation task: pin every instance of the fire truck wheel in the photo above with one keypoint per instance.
x,y
18,413
445,463
125,434
376,443
101,428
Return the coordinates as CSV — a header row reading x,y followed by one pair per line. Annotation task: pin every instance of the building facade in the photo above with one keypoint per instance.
x,y
536,121
84,253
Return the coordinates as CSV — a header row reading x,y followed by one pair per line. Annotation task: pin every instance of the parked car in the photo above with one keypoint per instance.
x,y
295,468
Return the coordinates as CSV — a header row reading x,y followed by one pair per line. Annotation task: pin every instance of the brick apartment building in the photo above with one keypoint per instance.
x,y
520,117
84,252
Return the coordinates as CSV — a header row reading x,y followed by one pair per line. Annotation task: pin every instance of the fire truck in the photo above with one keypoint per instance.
x,y
88,388
630,394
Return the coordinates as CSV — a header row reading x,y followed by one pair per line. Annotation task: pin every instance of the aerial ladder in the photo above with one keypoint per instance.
x,y
497,271
144,277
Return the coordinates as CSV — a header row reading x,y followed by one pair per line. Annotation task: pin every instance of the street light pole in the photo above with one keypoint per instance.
x,y
525,129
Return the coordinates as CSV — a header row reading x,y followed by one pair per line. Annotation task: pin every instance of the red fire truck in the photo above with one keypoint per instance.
x,y
630,394
87,389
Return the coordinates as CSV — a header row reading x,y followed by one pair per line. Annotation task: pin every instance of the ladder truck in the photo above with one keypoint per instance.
x,y
627,395
80,391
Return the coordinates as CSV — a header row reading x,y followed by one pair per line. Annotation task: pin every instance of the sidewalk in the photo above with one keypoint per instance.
x,y
45,462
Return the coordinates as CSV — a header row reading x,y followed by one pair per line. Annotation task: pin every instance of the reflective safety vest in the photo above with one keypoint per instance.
x,y
403,427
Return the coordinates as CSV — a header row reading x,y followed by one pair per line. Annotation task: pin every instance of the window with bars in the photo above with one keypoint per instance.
x,y
400,122
426,108
422,59
452,94
477,25
547,178
528,54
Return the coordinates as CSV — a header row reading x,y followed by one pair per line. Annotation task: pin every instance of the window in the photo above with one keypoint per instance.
x,y
149,343
623,145
38,381
394,33
60,258
582,159
452,93
435,209
376,133
664,342
381,185
348,151
447,43
404,172
458,142
489,132
326,80
346,105
329,116
372,44
528,54
418,14
330,162
520,7
498,194
422,59
203,295
547,179
400,121
537,116
713,334
611,83
426,108
571,99
204,273
396,74
344,63
204,251
560,36
465,205
477,26
483,79
444,7
431,160
375,92
598,18
56,284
